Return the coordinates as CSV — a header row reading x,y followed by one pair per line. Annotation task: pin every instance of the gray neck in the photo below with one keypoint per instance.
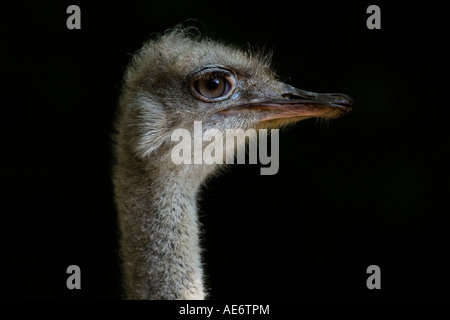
x,y
157,210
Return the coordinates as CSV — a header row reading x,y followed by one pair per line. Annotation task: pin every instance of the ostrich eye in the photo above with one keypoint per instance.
x,y
212,88
212,85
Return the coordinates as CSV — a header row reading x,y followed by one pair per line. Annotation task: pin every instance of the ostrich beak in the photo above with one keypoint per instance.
x,y
296,103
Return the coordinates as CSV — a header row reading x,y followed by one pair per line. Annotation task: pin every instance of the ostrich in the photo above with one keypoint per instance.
x,y
171,82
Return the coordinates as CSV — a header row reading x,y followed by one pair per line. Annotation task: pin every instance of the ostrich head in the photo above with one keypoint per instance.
x,y
178,79
172,82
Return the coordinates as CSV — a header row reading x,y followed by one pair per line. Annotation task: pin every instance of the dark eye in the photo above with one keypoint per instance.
x,y
211,85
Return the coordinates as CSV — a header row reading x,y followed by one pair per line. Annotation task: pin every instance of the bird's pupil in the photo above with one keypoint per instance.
x,y
213,83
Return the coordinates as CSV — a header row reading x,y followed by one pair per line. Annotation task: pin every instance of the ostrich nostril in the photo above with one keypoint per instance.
x,y
291,96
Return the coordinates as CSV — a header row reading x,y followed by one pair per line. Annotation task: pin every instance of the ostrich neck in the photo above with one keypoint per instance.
x,y
160,232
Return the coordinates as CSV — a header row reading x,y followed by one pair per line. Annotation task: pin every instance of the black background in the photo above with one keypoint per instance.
x,y
370,188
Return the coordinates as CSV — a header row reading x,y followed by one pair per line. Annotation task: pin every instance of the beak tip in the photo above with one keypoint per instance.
x,y
341,100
